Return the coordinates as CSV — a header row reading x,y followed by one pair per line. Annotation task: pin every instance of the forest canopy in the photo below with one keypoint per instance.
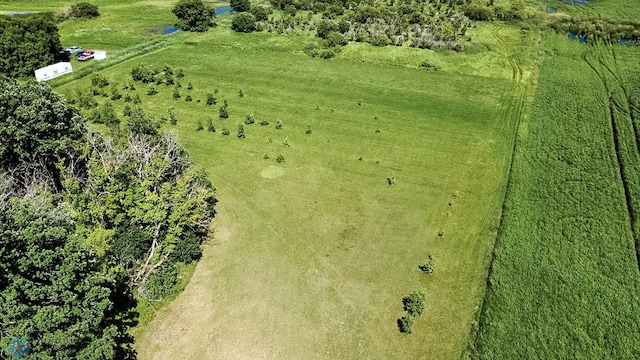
x,y
27,43
89,222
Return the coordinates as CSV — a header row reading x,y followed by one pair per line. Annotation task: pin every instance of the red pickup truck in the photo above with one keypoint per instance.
x,y
86,55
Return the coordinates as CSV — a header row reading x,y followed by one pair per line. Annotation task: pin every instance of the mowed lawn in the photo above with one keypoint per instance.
x,y
311,257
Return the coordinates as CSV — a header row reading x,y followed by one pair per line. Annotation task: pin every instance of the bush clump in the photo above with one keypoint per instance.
x,y
210,127
84,10
99,80
479,12
429,266
405,324
161,282
211,100
224,113
243,22
77,11
173,119
241,134
188,249
336,39
261,13
413,303
152,90
144,73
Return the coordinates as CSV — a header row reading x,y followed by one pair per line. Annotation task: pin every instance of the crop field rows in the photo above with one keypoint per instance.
x,y
564,281
620,81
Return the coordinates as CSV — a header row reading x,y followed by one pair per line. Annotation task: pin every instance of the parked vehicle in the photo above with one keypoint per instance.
x,y
74,50
86,55
63,55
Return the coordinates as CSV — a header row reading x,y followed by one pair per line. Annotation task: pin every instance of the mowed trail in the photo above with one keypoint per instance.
x,y
180,325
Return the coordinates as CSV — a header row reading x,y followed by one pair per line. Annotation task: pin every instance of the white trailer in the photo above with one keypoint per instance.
x,y
53,71
100,55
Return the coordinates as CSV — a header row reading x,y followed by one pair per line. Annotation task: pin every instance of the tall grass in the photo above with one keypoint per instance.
x,y
135,51
564,281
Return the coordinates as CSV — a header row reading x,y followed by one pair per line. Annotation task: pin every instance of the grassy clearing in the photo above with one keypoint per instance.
x,y
122,23
487,55
564,280
313,256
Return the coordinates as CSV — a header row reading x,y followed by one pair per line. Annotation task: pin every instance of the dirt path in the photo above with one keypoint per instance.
x,y
179,330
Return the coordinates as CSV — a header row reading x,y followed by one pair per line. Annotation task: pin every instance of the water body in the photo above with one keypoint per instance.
x,y
575,2
224,10
19,13
170,30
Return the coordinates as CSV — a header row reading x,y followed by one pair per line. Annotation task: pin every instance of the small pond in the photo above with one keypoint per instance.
x,y
223,10
169,30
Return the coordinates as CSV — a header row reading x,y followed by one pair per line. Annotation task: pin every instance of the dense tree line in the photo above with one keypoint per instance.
x,y
600,29
54,292
489,11
27,43
37,129
142,205
424,24
418,23
88,222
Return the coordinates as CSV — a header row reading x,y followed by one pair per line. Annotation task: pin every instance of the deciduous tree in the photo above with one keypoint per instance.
x,y
37,128
243,22
193,15
240,5
26,44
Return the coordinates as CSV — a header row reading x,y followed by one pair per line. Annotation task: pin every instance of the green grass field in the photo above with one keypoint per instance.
x,y
319,251
312,257
122,23
564,281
